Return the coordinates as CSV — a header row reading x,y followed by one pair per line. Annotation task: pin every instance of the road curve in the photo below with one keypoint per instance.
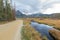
x,y
11,30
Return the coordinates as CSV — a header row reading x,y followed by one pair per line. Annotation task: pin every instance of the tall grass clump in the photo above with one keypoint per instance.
x,y
29,33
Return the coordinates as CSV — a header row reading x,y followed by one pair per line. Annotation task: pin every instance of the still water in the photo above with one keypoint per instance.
x,y
42,29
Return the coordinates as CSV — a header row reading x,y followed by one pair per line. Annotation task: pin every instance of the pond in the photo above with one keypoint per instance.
x,y
42,29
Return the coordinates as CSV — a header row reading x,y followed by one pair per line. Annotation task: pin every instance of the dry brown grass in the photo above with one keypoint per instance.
x,y
52,22
55,33
32,34
28,33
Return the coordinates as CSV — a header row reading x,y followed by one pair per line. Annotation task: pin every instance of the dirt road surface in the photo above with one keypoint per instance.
x,y
11,30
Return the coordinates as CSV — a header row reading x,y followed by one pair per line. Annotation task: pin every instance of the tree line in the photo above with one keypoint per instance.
x,y
7,12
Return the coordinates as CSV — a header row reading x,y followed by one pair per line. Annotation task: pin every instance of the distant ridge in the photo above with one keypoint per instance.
x,y
21,15
39,15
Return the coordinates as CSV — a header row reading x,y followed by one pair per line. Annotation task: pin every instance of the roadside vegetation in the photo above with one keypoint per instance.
x,y
3,22
29,33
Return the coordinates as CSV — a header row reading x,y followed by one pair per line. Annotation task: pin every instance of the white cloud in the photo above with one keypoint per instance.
x,y
55,9
42,1
22,7
31,6
47,1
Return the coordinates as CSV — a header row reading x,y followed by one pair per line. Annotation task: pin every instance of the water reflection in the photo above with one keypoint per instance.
x,y
43,29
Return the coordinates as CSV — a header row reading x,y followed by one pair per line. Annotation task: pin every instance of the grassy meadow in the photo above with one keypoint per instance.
x,y
52,22
29,33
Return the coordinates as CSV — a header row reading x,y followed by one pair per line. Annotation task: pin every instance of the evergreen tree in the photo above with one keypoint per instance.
x,y
1,10
6,12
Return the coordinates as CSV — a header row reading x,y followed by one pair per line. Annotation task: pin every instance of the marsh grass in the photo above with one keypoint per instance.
x,y
29,33
51,22
45,38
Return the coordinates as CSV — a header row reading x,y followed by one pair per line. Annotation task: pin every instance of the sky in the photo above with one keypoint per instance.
x,y
34,6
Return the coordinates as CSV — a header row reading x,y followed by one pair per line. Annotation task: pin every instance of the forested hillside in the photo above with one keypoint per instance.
x,y
7,12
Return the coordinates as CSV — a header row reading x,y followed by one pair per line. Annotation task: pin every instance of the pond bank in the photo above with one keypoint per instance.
x,y
42,29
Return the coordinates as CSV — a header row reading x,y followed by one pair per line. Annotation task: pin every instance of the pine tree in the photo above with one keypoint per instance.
x,y
9,11
6,12
1,9
13,12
